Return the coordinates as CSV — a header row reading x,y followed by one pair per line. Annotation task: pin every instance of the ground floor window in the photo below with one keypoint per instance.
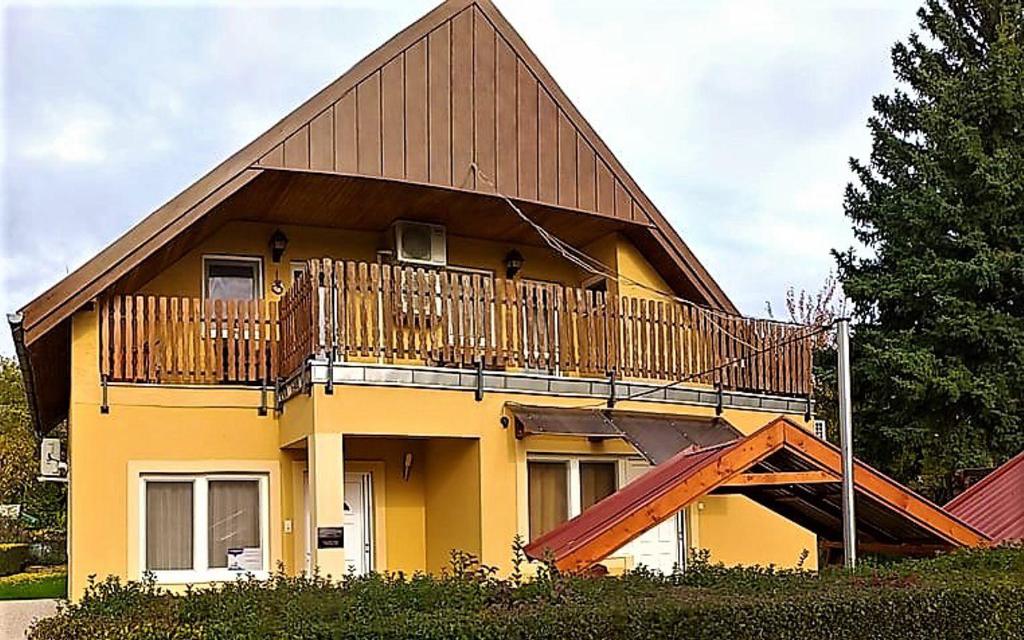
x,y
204,527
560,488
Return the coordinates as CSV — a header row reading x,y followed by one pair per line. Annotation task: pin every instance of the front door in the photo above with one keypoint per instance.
x,y
358,523
657,548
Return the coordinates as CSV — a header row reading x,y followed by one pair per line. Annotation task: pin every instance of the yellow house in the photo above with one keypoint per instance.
x,y
393,326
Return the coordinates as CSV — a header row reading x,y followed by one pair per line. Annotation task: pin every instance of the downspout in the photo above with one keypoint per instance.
x,y
15,320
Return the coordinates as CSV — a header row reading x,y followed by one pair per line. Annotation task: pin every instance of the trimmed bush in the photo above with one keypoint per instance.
x,y
13,558
976,594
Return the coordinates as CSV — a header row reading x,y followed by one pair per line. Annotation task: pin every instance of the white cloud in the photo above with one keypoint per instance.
x,y
77,136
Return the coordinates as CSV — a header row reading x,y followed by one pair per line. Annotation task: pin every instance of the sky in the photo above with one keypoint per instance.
x,y
737,117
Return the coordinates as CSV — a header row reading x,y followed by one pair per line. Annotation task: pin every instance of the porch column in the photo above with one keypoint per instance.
x,y
327,500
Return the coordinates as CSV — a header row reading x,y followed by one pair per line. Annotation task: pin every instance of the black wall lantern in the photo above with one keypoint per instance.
x,y
278,243
513,263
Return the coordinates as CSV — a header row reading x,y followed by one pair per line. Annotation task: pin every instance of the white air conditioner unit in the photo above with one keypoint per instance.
x,y
420,243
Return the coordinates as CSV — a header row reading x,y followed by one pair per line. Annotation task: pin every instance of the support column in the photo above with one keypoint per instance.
x,y
327,500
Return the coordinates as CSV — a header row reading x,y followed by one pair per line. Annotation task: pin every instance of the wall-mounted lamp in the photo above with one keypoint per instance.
x,y
407,466
513,263
278,243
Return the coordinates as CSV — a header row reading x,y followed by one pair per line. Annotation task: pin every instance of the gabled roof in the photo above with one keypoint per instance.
x,y
995,504
780,466
458,86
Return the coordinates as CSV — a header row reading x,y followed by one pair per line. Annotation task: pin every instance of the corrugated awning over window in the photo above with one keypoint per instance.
x,y
657,436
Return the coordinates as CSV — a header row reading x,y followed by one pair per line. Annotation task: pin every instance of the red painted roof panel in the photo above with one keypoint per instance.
x,y
995,504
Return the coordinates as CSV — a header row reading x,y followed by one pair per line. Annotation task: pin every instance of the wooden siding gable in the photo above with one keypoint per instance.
x,y
462,94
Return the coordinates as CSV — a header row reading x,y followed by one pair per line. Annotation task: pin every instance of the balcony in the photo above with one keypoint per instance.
x,y
396,315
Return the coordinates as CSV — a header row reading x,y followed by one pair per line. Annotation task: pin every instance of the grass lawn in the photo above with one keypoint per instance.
x,y
41,582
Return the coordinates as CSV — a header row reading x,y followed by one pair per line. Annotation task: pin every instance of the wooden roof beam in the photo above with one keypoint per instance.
x,y
782,478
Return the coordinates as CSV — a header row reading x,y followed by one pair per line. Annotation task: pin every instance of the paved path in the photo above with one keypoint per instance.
x,y
17,615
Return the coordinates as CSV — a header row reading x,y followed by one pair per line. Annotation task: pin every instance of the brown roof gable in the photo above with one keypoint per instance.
x,y
457,86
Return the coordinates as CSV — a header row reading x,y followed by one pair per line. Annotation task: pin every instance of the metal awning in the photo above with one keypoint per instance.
x,y
657,436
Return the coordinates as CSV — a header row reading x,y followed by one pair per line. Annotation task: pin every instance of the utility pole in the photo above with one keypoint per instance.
x,y
846,444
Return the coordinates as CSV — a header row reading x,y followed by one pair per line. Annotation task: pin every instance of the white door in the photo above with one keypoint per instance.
x,y
658,548
358,523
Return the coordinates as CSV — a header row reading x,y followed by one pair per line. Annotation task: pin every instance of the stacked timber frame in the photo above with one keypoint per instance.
x,y
492,389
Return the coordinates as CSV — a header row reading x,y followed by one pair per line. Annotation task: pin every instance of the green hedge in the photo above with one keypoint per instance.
x,y
975,594
13,557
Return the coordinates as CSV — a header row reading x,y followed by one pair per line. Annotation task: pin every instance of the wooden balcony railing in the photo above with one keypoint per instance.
x,y
405,315
185,340
450,318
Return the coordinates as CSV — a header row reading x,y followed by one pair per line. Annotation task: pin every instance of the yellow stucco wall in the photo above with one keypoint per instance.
x,y
251,239
467,487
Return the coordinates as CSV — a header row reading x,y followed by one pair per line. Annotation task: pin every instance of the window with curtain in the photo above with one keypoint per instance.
x,y
597,482
169,526
232,278
562,488
548,493
225,536
233,520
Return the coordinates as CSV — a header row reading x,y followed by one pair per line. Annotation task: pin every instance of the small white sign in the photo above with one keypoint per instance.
x,y
49,457
245,559
10,510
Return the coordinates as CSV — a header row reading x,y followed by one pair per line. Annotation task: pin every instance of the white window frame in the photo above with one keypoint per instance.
x,y
201,571
295,266
227,257
573,484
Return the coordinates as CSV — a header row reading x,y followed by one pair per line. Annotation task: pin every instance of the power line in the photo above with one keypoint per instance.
x,y
593,265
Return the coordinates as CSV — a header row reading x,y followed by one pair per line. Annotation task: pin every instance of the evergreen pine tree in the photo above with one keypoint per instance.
x,y
938,293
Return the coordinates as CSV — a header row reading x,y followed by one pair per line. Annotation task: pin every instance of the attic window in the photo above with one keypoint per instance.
x,y
231,278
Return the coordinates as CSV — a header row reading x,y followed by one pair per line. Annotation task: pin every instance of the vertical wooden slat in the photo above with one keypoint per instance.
x,y
440,97
462,99
186,340
392,81
275,342
105,346
547,147
526,121
219,339
366,308
484,103
416,113
209,360
487,304
321,141
151,339
374,320
345,135
129,341
116,341
369,125
567,190
507,169
387,314
232,339
140,338
586,172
